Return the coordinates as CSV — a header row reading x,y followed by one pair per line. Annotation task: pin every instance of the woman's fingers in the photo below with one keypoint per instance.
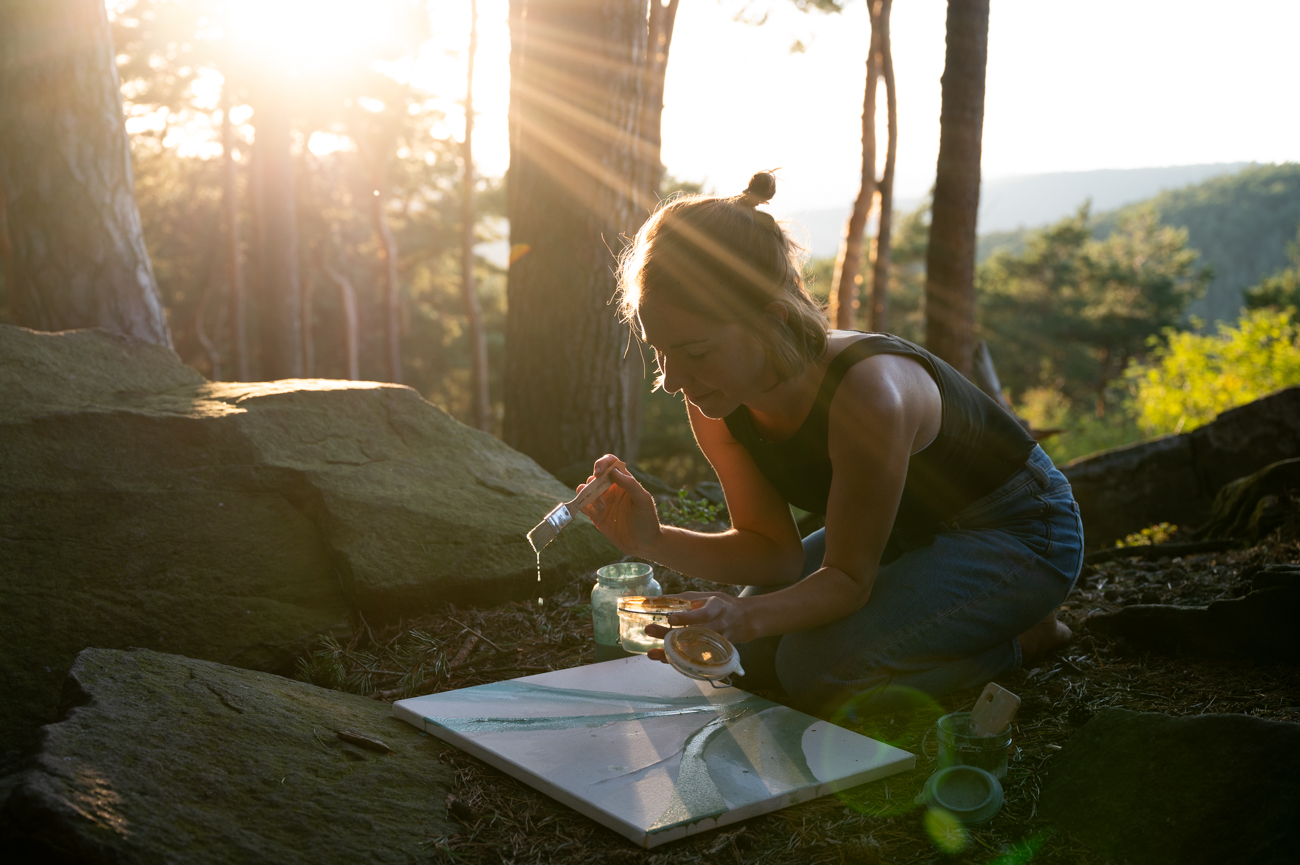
x,y
656,631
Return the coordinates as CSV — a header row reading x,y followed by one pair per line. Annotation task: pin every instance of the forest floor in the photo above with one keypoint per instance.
x,y
503,820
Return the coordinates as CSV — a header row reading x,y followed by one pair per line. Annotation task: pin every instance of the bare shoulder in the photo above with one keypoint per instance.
x,y
888,395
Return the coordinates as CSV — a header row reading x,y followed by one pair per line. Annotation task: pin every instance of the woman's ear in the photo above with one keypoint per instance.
x,y
779,312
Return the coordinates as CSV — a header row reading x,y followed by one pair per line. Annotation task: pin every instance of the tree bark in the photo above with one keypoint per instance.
x,y
388,252
659,40
884,225
279,295
230,225
571,388
348,313
848,264
482,412
78,251
950,260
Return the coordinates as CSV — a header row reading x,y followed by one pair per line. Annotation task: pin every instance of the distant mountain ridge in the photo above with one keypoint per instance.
x,y
1240,216
1241,224
1027,201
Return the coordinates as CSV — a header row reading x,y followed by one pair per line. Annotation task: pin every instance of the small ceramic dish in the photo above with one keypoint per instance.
x,y
703,654
636,611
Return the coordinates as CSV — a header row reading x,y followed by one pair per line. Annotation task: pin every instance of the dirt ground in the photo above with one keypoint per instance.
x,y
503,820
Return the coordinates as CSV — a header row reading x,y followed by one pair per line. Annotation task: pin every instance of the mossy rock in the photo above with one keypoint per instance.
x,y
141,505
161,759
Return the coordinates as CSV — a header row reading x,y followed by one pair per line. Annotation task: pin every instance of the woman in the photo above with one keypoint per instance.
x,y
950,537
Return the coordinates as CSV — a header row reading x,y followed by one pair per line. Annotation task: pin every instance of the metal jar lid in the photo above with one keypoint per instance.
x,y
702,654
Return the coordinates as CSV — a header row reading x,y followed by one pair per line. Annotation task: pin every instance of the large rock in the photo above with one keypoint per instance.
x,y
1175,478
1259,626
141,505
1155,789
162,759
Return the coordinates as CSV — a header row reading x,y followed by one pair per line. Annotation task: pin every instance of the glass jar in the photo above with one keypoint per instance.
x,y
634,613
614,582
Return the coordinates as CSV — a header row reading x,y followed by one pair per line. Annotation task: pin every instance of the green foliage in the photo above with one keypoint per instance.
x,y
1071,310
690,513
1282,289
1160,533
1081,430
1241,224
1190,378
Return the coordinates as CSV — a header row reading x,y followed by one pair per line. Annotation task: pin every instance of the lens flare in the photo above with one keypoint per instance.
x,y
945,830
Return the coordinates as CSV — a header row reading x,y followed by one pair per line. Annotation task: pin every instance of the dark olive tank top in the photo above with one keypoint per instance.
x,y
979,445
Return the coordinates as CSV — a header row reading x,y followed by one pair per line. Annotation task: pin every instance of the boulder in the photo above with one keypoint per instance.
x,y
141,505
1259,626
160,758
1175,478
1154,789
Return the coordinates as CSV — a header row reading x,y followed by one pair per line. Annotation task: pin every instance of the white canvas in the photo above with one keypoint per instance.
x,y
651,754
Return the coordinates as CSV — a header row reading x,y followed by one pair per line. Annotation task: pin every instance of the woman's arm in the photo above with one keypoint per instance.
x,y
762,547
879,412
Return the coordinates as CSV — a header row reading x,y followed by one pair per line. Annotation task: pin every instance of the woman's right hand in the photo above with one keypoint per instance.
x,y
625,513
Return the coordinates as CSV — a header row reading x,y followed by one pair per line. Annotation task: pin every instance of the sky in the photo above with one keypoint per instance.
x,y
1070,87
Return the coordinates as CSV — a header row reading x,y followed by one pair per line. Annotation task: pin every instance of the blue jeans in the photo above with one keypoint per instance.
x,y
942,616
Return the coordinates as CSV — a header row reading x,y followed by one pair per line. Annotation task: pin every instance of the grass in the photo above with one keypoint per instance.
x,y
503,820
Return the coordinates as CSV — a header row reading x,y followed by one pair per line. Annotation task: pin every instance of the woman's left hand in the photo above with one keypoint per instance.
x,y
717,611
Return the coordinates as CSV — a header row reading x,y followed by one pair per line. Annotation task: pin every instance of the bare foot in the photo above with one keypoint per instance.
x,y
1044,638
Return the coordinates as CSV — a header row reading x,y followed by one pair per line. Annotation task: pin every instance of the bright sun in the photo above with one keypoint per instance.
x,y
312,33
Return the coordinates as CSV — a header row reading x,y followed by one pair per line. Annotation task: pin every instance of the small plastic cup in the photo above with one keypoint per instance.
x,y
969,794
635,612
958,746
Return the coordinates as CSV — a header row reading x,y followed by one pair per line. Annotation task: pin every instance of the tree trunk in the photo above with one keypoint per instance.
x,y
571,387
884,226
482,411
279,296
230,226
308,331
848,265
388,252
348,311
950,261
78,250
659,40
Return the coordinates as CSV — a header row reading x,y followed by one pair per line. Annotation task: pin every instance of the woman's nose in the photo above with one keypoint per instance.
x,y
672,381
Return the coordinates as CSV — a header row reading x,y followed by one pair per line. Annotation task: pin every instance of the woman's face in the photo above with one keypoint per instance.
x,y
716,366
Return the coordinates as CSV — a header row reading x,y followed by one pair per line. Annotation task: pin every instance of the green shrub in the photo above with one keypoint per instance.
x,y
1190,378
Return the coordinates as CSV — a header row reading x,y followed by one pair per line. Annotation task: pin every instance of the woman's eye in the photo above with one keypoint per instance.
x,y
693,356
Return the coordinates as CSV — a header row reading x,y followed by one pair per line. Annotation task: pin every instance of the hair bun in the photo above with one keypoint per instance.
x,y
762,186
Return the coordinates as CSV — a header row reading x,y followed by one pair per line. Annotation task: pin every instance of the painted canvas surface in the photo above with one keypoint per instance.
x,y
651,754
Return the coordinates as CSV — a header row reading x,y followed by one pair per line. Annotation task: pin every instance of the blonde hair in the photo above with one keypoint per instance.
x,y
727,261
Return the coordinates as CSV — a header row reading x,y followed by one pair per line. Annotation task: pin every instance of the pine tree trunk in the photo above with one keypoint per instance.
x,y
230,229
571,392
659,40
884,226
950,261
392,298
481,407
78,250
848,264
279,295
348,316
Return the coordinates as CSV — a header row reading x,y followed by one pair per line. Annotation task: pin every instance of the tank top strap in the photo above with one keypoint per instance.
x,y
860,349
